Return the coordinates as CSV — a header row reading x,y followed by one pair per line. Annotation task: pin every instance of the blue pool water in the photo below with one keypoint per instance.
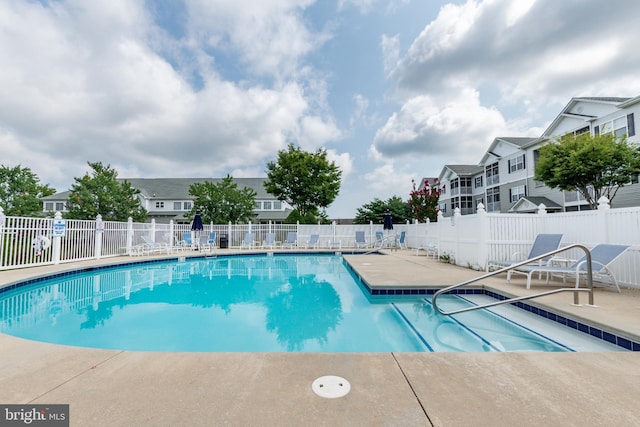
x,y
294,303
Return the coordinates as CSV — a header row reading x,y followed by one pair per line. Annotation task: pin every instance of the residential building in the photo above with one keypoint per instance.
x,y
503,180
167,199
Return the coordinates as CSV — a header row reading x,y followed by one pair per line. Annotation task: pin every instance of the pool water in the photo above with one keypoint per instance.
x,y
261,303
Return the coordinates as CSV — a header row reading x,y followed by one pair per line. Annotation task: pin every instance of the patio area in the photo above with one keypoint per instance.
x,y
105,387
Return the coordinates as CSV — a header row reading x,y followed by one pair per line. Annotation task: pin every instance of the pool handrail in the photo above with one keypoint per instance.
x,y
576,299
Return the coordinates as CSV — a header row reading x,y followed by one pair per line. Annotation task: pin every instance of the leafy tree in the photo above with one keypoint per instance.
x,y
423,203
21,191
374,211
223,202
102,193
312,217
307,181
594,165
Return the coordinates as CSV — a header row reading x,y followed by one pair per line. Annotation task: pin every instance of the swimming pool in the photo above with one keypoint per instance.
x,y
261,303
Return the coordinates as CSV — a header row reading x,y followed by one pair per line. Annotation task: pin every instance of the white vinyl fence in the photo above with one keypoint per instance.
x,y
468,240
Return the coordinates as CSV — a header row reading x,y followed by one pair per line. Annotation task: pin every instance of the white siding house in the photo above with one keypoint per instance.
x,y
506,182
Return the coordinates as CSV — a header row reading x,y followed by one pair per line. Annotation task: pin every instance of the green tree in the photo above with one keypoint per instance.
x,y
312,217
223,202
423,202
307,181
374,211
102,193
594,165
21,191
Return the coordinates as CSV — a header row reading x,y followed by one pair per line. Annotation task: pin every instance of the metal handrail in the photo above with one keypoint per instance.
x,y
576,299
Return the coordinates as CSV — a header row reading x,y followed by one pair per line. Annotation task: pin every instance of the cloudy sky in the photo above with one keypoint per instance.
x,y
392,89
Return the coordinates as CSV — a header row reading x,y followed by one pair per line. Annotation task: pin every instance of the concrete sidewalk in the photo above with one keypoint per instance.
x,y
124,388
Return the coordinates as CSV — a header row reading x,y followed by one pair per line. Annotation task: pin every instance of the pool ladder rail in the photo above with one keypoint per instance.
x,y
575,290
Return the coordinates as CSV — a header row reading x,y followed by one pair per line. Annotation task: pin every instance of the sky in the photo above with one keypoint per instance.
x,y
393,90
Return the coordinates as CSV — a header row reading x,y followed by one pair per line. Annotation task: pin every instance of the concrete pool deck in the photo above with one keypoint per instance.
x,y
106,387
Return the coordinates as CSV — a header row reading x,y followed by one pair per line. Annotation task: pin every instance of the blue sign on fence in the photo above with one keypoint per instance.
x,y
59,227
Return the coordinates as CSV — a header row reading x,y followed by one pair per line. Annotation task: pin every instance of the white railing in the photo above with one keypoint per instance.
x,y
472,240
466,240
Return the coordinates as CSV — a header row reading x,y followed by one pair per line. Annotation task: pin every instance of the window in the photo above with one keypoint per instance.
x,y
465,185
258,206
177,206
492,173
442,207
159,205
187,206
466,205
60,206
621,126
455,187
477,183
493,199
277,205
581,130
48,206
516,164
518,192
266,205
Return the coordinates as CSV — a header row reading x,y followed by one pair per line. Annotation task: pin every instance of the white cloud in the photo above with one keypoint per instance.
x,y
269,35
390,46
80,82
387,181
343,161
425,126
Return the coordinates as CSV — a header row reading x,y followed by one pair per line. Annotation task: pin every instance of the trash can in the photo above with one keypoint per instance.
x,y
224,241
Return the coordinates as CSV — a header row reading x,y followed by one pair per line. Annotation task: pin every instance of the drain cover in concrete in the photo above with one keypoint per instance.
x,y
331,386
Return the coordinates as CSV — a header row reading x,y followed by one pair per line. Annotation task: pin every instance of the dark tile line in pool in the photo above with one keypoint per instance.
x,y
573,324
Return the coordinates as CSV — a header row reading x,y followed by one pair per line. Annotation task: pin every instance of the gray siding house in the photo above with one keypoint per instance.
x,y
503,180
167,199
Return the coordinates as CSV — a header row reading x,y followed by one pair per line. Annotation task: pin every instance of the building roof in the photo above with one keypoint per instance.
x,y
566,111
518,141
465,170
177,188
430,179
529,204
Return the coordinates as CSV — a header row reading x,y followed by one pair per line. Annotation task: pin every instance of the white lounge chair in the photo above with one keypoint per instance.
x,y
313,241
292,240
150,246
247,242
542,244
211,240
186,242
269,240
402,241
602,256
361,242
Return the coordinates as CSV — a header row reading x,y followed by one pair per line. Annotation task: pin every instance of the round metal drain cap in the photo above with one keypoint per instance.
x,y
331,386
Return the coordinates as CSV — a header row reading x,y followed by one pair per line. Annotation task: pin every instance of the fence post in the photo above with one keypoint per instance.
x,y
56,244
98,230
483,239
129,235
3,219
603,215
172,234
153,230
439,225
455,219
